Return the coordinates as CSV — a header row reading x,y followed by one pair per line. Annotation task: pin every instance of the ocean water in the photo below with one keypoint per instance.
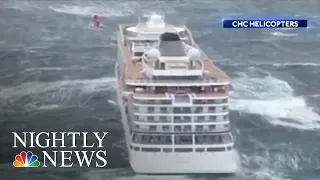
x,y
56,74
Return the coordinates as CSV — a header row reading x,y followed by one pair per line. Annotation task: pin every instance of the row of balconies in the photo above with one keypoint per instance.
x,y
183,150
180,119
196,139
152,102
222,127
180,110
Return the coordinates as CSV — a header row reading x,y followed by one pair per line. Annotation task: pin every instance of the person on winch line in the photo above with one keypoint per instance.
x,y
96,20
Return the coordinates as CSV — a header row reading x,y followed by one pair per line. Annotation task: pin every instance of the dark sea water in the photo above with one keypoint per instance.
x,y
56,74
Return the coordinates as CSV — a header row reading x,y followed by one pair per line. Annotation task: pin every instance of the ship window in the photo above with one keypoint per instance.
x,y
138,53
138,101
203,101
167,150
200,149
226,138
217,139
212,118
199,128
212,127
150,118
187,128
168,139
186,110
225,108
217,149
143,101
178,110
198,110
150,109
136,126
183,150
136,148
177,128
163,118
218,101
200,139
149,139
163,109
212,108
136,138
213,139
199,102
229,148
166,128
187,118
201,117
180,120
151,149
152,128
136,108
182,139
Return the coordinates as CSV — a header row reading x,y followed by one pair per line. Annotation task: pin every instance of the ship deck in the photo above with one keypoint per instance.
x,y
133,68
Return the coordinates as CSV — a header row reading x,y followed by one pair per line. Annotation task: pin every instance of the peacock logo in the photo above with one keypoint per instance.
x,y
26,159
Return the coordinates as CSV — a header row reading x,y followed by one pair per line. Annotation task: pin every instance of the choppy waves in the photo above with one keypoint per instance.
x,y
275,100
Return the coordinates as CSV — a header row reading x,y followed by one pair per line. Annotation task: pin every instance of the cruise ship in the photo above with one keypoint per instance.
x,y
173,102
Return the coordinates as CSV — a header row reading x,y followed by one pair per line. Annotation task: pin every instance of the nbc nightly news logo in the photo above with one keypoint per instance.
x,y
68,158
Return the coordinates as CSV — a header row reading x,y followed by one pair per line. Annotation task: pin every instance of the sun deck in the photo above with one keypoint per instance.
x,y
134,68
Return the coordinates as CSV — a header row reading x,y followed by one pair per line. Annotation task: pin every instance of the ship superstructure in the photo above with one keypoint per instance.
x,y
173,101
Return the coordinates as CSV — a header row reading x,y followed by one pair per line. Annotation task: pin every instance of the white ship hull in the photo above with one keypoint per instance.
x,y
184,163
169,129
226,162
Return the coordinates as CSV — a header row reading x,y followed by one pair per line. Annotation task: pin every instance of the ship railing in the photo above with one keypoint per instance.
x,y
196,102
221,102
150,103
206,80
187,145
181,121
180,131
183,139
164,149
178,111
